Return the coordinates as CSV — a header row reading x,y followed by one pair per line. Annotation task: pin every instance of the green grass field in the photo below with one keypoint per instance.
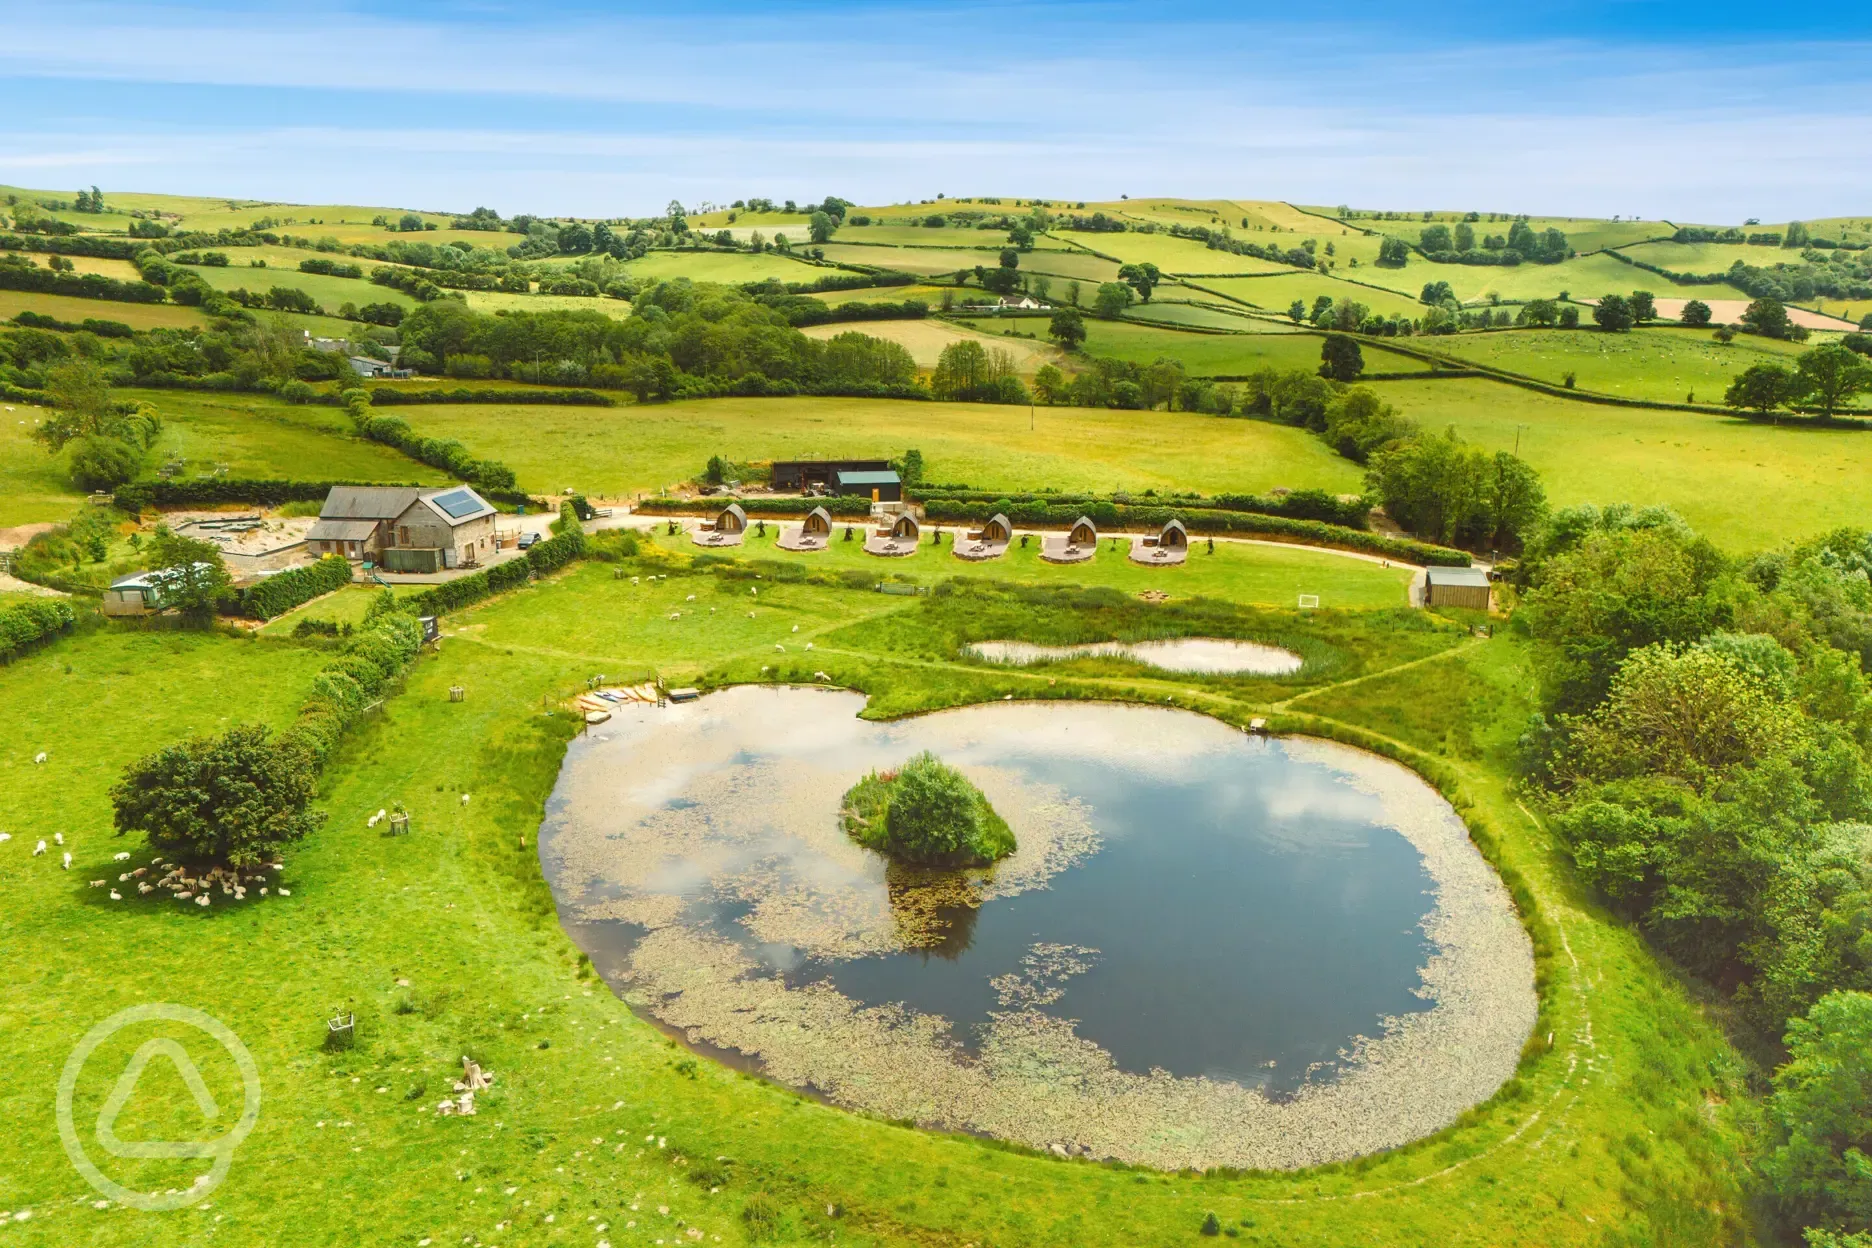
x,y
1745,486
444,942
895,235
331,292
1663,365
622,451
731,267
257,436
1181,312
926,338
33,486
1207,355
510,301
939,262
74,309
1172,255
1263,575
1275,293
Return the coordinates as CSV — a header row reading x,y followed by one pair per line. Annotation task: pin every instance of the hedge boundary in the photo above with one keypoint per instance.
x,y
141,496
851,506
25,624
1315,505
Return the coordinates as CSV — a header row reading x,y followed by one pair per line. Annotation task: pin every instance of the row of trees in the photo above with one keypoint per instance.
x,y
1702,750
1825,377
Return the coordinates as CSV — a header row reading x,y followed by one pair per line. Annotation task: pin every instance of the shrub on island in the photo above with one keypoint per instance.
x,y
928,814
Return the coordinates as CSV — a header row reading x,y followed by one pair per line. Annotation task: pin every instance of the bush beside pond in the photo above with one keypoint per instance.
x,y
926,813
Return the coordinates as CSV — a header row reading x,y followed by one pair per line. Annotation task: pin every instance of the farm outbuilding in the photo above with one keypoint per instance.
x,y
802,474
883,487
403,528
144,593
1456,587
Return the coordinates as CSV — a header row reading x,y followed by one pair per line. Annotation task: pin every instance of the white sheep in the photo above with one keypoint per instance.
x,y
202,900
690,598
796,628
115,895
285,892
464,799
39,849
779,647
821,676
58,838
120,857
5,837
67,862
40,757
809,645
99,883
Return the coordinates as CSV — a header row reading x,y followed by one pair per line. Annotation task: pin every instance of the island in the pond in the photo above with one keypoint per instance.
x,y
926,813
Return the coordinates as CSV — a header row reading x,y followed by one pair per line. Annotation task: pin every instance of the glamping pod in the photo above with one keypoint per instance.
x,y
988,542
728,528
1079,544
813,534
1171,546
900,538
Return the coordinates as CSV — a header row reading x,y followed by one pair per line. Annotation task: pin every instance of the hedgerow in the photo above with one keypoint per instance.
x,y
25,624
277,595
1199,520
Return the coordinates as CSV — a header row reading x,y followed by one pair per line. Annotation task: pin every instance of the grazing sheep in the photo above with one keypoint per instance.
x,y
284,892
145,888
5,837
67,863
821,676
809,645
202,900
121,878
120,857
138,873
690,598
464,799
39,849
796,628
58,838
40,757
99,883
184,895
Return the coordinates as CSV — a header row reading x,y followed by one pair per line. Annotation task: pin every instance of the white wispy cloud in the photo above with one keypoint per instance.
x,y
592,114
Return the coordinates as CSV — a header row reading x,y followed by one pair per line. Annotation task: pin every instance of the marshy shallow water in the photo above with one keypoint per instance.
x,y
1208,949
1203,655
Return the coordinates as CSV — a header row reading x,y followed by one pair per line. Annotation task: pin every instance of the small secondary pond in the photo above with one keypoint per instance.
x,y
1208,949
1206,655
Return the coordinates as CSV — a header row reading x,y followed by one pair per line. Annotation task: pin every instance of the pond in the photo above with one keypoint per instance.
x,y
1208,948
1205,655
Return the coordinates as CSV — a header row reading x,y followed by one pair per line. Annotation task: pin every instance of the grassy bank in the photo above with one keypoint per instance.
x,y
1624,1131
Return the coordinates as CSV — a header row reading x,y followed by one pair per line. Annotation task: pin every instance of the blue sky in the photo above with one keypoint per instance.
x,y
1711,112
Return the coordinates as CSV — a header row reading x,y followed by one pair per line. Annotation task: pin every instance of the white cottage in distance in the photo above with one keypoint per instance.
x,y
403,528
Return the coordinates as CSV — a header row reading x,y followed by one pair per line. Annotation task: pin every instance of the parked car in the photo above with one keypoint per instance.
x,y
528,539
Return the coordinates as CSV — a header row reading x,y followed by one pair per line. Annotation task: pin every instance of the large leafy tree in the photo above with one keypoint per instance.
x,y
1142,278
1340,358
1112,299
1761,388
1831,374
235,799
1769,318
1613,313
1067,328
1822,1172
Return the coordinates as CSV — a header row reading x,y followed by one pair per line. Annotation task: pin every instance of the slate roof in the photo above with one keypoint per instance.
x,y
1473,578
368,502
341,531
